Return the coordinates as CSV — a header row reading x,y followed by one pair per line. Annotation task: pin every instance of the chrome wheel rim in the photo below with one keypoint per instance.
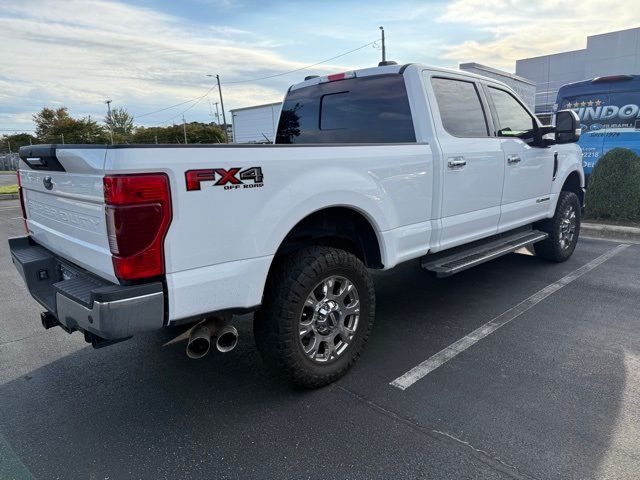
x,y
568,223
329,319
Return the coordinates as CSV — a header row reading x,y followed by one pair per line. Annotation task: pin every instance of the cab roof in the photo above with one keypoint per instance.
x,y
608,80
393,69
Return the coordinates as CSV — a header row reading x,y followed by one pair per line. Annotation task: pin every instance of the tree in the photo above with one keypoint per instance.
x,y
14,142
289,126
614,186
196,133
121,124
53,124
50,123
57,126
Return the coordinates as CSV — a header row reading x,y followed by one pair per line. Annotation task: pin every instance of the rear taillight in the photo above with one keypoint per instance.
x,y
24,210
138,210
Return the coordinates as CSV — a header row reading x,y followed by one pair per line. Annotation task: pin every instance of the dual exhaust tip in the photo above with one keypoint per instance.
x,y
202,335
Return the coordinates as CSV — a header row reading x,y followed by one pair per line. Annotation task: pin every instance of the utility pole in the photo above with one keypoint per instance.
x,y
108,102
184,129
217,113
384,51
9,143
62,135
224,119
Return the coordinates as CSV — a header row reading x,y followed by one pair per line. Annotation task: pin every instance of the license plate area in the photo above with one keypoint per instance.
x,y
66,272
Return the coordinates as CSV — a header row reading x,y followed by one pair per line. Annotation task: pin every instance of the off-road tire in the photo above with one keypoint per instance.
x,y
276,324
552,248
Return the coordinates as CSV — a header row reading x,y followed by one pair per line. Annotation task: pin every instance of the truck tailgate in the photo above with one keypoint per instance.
x,y
64,201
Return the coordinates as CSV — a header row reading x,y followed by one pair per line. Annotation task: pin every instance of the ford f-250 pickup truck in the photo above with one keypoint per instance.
x,y
369,169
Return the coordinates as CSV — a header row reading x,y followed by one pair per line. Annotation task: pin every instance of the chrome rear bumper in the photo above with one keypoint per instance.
x,y
81,301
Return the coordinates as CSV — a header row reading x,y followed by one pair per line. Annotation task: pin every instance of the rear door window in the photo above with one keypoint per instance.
x,y
460,107
372,109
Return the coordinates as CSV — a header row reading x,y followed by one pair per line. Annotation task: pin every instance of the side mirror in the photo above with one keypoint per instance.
x,y
567,126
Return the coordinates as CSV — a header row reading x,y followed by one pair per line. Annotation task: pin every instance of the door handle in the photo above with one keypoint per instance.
x,y
513,159
456,163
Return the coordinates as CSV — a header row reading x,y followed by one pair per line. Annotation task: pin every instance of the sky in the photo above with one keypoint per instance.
x,y
147,55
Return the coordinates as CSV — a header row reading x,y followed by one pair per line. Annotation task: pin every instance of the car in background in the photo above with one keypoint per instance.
x,y
609,112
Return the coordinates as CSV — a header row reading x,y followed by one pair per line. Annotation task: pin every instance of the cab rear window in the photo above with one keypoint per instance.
x,y
371,109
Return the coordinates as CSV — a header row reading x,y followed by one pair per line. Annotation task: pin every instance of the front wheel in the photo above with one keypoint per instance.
x,y
316,316
563,229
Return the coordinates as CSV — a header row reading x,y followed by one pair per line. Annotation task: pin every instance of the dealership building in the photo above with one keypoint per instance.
x,y
526,89
614,53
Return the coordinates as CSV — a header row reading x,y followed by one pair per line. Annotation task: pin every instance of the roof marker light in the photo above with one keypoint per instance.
x,y
337,76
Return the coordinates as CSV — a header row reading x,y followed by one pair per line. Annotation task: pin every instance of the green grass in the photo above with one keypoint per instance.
x,y
6,189
7,172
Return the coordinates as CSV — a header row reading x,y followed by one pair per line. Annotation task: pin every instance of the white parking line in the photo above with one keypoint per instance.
x,y
429,365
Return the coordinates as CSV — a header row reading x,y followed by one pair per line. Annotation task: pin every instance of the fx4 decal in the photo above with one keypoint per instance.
x,y
229,179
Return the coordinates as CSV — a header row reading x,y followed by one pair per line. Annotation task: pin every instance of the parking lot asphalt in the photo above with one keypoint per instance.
x,y
553,393
8,180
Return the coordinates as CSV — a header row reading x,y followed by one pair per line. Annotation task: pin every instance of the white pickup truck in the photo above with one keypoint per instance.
x,y
369,169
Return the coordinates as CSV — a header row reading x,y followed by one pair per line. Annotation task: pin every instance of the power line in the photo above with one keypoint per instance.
x,y
301,68
166,108
198,99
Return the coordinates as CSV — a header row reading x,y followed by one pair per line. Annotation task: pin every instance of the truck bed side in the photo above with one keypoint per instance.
x,y
223,236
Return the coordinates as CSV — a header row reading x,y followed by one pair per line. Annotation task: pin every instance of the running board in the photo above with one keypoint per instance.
x,y
445,266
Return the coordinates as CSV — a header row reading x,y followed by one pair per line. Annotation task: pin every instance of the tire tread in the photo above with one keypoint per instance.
x,y
287,286
549,249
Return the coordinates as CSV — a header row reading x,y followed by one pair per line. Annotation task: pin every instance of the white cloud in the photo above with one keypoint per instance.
x,y
523,28
89,51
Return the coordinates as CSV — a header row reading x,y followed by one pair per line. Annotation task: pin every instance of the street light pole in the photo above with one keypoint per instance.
x,y
108,102
384,51
224,119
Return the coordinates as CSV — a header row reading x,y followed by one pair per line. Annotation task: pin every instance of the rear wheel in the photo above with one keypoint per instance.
x,y
563,230
317,314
